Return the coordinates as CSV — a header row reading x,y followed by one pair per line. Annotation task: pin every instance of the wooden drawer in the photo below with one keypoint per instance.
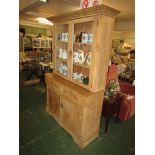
x,y
55,86
73,95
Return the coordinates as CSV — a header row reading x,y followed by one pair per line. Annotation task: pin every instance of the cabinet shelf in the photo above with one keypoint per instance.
x,y
64,60
37,43
42,47
63,76
80,83
82,65
80,43
60,41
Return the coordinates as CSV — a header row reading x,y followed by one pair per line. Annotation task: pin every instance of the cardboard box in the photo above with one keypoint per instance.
x,y
89,3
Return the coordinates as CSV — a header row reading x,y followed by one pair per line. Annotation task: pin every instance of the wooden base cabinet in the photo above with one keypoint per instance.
x,y
76,109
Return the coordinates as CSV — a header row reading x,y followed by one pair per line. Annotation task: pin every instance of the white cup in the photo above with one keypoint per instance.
x,y
60,53
90,38
66,37
64,54
84,37
63,36
79,77
74,76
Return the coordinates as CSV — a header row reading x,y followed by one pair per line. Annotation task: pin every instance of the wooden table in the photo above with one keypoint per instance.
x,y
35,69
111,106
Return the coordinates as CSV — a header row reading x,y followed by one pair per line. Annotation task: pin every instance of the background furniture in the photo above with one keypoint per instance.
x,y
21,42
111,106
33,43
127,90
127,109
112,73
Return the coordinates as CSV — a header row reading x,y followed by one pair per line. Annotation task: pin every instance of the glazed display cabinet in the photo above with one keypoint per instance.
x,y
82,46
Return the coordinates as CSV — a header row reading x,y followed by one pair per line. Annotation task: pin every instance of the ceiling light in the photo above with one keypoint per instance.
x,y
43,1
44,21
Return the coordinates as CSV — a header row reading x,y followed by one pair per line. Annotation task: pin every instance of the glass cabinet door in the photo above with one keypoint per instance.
x,y
61,50
82,53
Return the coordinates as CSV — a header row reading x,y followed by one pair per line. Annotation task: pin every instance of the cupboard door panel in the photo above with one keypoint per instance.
x,y
70,116
54,103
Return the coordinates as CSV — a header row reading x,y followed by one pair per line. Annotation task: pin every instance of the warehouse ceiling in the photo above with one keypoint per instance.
x,y
30,10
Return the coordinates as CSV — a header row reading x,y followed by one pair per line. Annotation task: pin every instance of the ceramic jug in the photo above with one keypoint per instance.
x,y
75,57
81,57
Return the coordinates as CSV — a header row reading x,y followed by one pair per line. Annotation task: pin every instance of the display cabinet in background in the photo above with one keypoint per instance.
x,y
21,42
42,44
33,43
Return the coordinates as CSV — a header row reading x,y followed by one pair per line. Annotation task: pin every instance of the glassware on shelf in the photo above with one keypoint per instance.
x,y
84,38
90,38
63,36
80,77
75,57
60,53
63,69
74,76
85,80
81,57
64,54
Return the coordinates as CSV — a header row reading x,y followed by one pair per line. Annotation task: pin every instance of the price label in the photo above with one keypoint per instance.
x,y
95,3
85,4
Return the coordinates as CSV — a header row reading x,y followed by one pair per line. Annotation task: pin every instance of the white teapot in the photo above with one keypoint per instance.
x,y
81,57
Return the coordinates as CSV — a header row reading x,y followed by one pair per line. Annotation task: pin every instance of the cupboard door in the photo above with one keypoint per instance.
x,y
61,43
70,116
54,103
83,44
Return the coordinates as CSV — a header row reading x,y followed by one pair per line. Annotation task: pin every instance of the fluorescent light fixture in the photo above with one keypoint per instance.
x,y
44,21
43,1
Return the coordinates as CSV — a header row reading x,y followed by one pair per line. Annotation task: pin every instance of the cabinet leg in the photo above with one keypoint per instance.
x,y
107,124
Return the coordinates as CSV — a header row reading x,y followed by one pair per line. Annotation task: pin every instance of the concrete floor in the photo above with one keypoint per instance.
x,y
41,135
